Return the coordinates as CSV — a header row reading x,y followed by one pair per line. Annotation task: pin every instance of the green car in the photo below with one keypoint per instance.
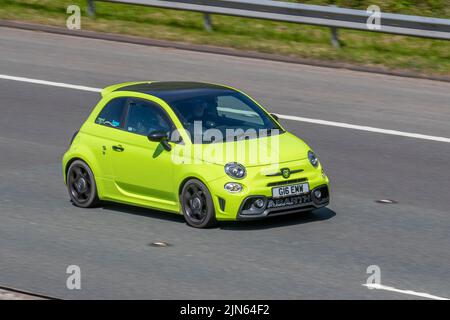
x,y
206,151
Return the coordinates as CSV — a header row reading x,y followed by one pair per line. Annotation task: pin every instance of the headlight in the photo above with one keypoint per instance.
x,y
313,159
235,170
233,187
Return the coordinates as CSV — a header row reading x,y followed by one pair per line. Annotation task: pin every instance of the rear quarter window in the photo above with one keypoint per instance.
x,y
112,113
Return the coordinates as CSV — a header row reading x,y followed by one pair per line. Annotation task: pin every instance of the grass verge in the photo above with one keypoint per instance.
x,y
424,56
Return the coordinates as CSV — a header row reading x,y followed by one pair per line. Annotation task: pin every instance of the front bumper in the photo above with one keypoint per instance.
x,y
281,206
259,182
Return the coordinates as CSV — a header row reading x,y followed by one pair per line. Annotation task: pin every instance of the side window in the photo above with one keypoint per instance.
x,y
112,113
145,117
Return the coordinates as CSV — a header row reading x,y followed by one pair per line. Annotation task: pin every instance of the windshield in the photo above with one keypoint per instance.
x,y
226,114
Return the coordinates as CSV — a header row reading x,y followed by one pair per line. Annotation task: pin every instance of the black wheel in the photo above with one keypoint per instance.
x,y
197,205
81,185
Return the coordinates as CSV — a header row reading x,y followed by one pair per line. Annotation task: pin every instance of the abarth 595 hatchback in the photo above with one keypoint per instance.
x,y
206,151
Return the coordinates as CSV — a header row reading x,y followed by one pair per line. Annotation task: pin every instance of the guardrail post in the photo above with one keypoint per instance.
x,y
91,8
207,22
334,34
335,38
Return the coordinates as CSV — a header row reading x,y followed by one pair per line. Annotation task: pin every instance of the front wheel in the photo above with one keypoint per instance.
x,y
81,185
197,205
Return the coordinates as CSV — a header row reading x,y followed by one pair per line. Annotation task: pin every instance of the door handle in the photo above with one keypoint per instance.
x,y
118,148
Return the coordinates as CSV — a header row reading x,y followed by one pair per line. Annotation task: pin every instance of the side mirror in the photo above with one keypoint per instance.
x,y
160,136
274,116
156,136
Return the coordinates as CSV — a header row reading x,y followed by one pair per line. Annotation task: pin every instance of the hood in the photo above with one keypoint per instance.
x,y
253,152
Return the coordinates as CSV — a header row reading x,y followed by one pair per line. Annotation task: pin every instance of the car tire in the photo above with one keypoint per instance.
x,y
81,185
197,205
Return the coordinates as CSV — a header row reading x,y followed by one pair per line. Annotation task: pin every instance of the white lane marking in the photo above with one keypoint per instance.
x,y
11,295
366,128
281,116
410,292
50,83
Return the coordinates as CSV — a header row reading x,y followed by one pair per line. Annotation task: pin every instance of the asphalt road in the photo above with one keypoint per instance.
x,y
292,257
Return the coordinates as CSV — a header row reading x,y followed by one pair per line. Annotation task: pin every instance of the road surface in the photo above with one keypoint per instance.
x,y
291,257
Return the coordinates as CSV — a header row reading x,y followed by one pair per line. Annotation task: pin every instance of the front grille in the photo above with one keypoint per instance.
x,y
280,174
285,182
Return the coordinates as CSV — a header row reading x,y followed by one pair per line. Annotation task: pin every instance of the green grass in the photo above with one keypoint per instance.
x,y
360,48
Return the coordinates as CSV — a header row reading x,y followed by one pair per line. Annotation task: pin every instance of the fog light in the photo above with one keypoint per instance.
x,y
318,194
259,203
233,187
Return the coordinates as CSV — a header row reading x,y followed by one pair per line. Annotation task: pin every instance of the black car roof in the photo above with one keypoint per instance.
x,y
176,90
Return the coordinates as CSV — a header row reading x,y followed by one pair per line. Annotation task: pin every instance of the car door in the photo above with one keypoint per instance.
x,y
103,133
143,169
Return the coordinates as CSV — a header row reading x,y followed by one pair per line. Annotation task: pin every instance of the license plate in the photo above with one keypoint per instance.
x,y
292,190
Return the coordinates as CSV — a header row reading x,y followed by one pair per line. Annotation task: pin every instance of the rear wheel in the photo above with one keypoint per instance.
x,y
197,205
81,185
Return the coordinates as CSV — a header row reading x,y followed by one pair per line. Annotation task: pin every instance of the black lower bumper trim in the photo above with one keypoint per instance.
x,y
280,206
